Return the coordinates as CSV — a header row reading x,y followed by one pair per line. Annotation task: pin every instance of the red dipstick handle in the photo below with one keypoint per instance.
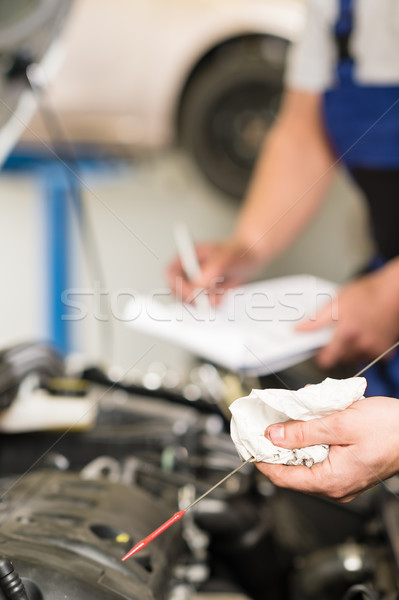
x,y
176,517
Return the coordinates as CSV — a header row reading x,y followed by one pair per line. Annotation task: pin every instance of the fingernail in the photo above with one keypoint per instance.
x,y
275,433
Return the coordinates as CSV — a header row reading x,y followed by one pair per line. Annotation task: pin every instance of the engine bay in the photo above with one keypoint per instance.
x,y
73,502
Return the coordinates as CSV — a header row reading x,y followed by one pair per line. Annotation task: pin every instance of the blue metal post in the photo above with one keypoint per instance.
x,y
53,179
57,209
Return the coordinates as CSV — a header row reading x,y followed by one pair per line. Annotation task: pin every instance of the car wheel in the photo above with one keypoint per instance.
x,y
229,106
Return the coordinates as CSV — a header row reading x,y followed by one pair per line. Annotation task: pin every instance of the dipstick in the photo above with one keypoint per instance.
x,y
177,516
373,362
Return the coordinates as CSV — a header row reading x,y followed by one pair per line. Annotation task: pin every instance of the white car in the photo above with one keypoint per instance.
x,y
207,74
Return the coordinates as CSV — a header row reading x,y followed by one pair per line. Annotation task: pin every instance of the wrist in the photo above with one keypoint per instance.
x,y
252,245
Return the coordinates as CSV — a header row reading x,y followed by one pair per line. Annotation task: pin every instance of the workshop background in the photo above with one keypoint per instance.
x,y
134,188
150,113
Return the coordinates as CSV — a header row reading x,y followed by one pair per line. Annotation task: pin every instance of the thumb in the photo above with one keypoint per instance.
x,y
324,317
299,434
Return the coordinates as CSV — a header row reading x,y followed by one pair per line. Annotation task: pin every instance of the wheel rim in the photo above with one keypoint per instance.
x,y
241,119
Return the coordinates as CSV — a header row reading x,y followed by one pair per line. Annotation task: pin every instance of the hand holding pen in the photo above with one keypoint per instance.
x,y
220,266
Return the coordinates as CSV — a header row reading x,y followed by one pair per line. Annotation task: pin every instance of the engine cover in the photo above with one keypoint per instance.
x,y
66,536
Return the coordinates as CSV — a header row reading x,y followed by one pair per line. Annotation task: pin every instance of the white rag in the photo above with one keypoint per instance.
x,y
253,413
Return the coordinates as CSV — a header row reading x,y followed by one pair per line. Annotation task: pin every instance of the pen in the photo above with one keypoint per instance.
x,y
189,260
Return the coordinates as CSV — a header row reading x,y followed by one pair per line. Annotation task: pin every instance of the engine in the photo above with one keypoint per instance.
x,y
73,502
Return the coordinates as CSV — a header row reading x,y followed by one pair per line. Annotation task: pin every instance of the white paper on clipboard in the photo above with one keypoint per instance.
x,y
253,328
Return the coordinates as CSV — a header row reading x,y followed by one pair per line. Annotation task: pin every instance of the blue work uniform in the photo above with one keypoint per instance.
x,y
362,123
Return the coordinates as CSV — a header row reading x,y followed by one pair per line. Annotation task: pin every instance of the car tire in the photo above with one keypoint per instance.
x,y
228,107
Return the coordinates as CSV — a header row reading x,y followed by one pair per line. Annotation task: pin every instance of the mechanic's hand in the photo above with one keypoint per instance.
x,y
224,265
364,450
365,316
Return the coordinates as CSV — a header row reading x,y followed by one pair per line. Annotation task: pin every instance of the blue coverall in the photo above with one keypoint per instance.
x,y
362,122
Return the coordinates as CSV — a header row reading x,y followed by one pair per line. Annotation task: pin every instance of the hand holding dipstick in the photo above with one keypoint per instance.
x,y
178,515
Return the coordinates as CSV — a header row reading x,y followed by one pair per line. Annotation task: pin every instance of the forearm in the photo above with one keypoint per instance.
x,y
389,275
293,172
289,183
386,298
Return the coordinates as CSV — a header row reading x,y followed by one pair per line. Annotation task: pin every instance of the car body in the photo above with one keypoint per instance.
x,y
131,65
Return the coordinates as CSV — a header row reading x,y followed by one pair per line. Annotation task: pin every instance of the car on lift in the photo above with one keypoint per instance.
x,y
205,74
